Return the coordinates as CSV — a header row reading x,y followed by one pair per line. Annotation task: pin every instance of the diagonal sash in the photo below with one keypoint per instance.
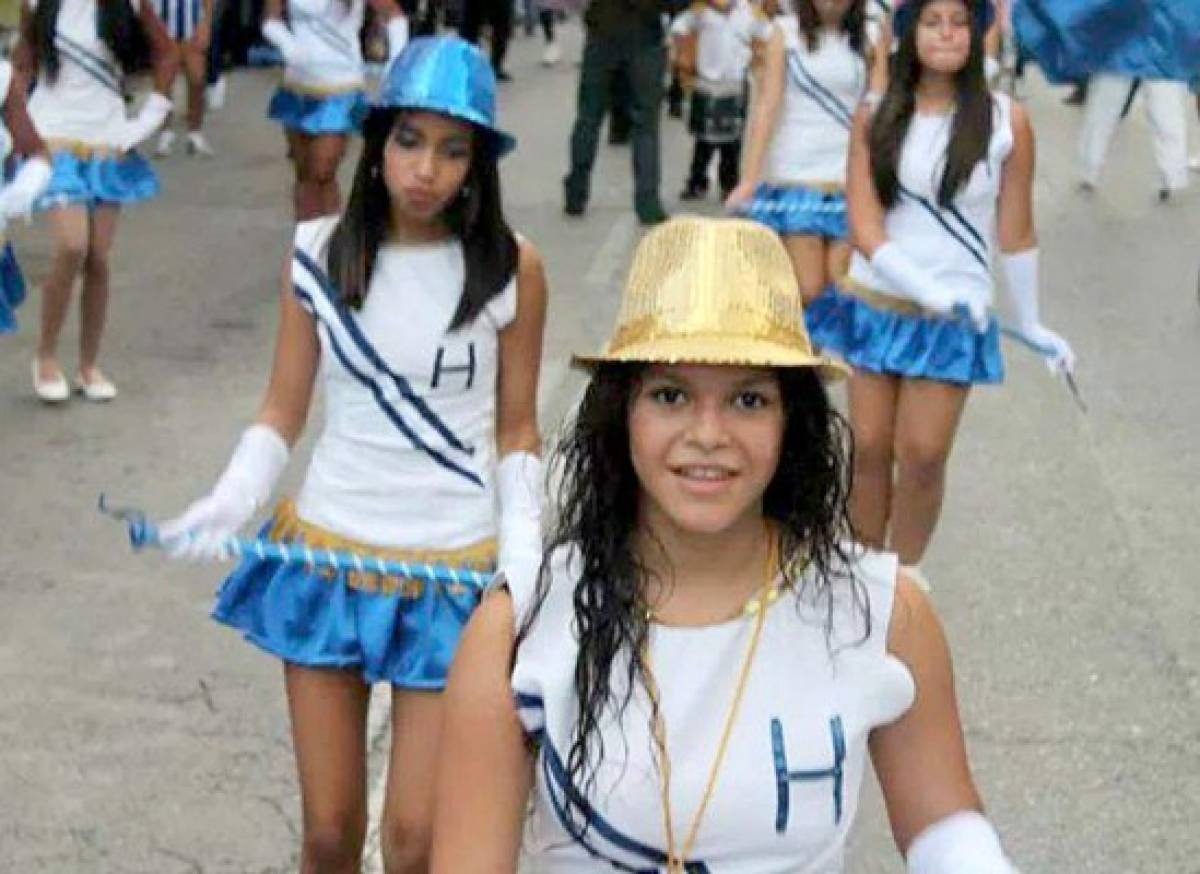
x,y
95,66
820,95
394,395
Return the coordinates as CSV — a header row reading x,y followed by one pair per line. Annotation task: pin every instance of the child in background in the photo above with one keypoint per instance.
x,y
714,42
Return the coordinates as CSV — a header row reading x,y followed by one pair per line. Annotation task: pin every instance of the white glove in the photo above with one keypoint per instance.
x,y
1021,279
16,201
397,36
204,529
277,34
920,286
519,484
962,843
147,122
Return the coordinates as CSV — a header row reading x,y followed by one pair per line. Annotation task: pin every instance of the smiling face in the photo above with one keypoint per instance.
x,y
425,163
705,443
943,36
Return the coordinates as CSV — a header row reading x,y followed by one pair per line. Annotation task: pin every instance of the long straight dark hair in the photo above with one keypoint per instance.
x,y
476,217
854,24
598,519
116,23
971,129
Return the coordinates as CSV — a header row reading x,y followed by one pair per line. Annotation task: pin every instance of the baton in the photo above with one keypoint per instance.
x,y
143,533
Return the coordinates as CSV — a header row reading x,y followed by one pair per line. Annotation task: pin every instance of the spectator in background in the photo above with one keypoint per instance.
x,y
622,37
496,14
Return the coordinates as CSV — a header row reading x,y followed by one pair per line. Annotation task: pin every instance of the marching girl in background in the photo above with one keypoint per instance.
x,y
18,137
322,99
79,51
724,33
423,315
814,75
190,24
694,683
938,172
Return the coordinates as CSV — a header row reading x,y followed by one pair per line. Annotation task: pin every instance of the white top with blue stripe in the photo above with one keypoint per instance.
x,y
956,244
85,102
788,790
822,90
328,31
406,456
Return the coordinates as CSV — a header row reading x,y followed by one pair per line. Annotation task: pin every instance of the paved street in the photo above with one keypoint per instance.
x,y
138,737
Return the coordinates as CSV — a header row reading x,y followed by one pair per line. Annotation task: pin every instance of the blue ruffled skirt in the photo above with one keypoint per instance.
x,y
911,345
399,631
793,210
12,290
316,116
98,181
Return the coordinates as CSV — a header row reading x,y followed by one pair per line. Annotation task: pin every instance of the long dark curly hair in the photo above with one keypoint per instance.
x,y
598,520
116,22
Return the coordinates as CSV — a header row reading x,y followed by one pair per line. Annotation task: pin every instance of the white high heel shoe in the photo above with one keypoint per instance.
x,y
50,391
99,389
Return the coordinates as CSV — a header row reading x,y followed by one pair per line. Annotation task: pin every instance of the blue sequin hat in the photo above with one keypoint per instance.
x,y
984,12
447,75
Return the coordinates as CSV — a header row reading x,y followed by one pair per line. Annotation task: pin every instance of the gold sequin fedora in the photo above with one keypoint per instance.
x,y
712,291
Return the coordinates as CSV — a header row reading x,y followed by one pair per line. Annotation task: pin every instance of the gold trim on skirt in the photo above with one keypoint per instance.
x,y
821,187
321,90
287,526
880,301
81,150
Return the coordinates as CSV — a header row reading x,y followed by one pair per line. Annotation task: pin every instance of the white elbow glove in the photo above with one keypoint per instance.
x,y
277,34
920,286
147,122
203,530
397,36
519,485
31,180
1021,279
962,843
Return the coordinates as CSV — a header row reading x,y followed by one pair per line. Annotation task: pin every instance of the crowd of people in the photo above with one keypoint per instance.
x,y
686,660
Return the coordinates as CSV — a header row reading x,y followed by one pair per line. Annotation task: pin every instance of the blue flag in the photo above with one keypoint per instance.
x,y
1145,39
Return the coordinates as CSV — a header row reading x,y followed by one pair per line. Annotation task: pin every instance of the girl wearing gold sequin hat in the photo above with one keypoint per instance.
x,y
693,681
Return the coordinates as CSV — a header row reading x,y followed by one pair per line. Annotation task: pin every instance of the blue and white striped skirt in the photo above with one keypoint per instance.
x,y
796,210
317,114
877,334
181,17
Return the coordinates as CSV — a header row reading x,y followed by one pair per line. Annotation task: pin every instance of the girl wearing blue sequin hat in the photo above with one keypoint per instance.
x,y
421,312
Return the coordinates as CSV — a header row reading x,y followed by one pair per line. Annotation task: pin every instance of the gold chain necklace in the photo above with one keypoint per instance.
x,y
677,856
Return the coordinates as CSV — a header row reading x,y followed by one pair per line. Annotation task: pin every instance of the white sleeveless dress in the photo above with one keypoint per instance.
x,y
789,788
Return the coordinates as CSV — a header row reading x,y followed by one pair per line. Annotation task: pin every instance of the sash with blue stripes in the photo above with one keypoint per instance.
x,y
327,33
954,223
99,68
822,96
599,830
400,404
